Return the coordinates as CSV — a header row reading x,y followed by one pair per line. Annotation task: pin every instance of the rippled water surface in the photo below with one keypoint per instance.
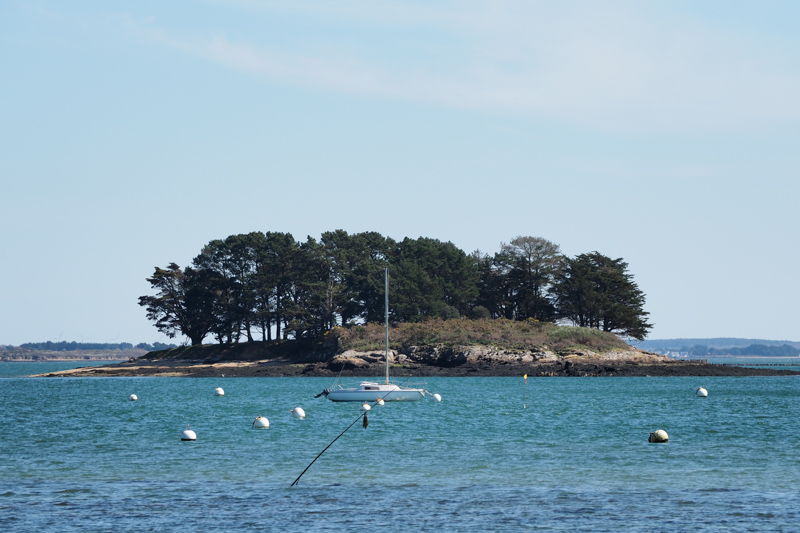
x,y
77,455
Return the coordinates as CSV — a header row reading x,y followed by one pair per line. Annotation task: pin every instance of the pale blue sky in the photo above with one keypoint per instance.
x,y
665,133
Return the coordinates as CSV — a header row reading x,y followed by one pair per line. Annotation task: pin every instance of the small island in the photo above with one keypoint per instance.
x,y
320,308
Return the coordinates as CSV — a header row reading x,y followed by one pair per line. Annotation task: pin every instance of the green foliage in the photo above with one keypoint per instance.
x,y
449,312
356,264
184,302
528,266
595,291
429,278
479,312
272,284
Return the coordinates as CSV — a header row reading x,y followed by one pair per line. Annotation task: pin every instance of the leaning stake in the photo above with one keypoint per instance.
x,y
326,447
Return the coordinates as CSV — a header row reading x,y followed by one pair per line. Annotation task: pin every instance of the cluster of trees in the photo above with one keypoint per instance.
x,y
754,349
269,285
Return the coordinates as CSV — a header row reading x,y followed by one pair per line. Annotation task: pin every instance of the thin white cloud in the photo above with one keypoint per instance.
x,y
609,65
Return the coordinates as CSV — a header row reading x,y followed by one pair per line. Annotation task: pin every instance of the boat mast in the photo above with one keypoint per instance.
x,y
386,302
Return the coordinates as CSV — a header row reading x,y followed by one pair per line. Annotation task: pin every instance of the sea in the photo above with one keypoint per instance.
x,y
496,454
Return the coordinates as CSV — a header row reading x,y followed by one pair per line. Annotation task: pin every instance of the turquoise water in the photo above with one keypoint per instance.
x,y
77,455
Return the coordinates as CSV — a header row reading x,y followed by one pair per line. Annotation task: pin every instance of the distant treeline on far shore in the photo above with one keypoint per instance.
x,y
760,350
64,346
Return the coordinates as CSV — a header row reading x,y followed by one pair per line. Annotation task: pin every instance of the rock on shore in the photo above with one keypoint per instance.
x,y
449,357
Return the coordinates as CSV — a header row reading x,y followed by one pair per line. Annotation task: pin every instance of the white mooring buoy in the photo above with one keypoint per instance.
x,y
298,412
437,397
366,407
261,422
658,435
133,398
701,392
219,392
380,401
188,434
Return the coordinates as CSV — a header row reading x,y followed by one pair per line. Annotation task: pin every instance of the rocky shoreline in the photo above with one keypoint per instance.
x,y
450,362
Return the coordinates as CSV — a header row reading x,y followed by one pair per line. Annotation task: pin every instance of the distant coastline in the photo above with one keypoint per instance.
x,y
721,346
16,354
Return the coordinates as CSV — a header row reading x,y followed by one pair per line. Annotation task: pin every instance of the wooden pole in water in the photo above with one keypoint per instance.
x,y
525,400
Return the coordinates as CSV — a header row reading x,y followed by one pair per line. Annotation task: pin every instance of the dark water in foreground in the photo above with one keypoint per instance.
x,y
77,455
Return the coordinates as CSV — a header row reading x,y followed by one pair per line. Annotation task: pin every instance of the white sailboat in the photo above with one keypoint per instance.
x,y
371,391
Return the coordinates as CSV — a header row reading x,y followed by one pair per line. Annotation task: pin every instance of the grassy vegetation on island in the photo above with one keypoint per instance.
x,y
530,335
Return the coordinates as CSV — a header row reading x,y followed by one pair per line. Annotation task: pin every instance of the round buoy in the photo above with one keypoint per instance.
x,y
219,392
261,422
133,397
658,435
298,412
701,392
380,401
437,397
188,434
365,407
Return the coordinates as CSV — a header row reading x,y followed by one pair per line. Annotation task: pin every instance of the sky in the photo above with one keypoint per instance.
x,y
134,132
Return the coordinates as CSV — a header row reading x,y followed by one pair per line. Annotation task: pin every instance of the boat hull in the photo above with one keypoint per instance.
x,y
370,392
